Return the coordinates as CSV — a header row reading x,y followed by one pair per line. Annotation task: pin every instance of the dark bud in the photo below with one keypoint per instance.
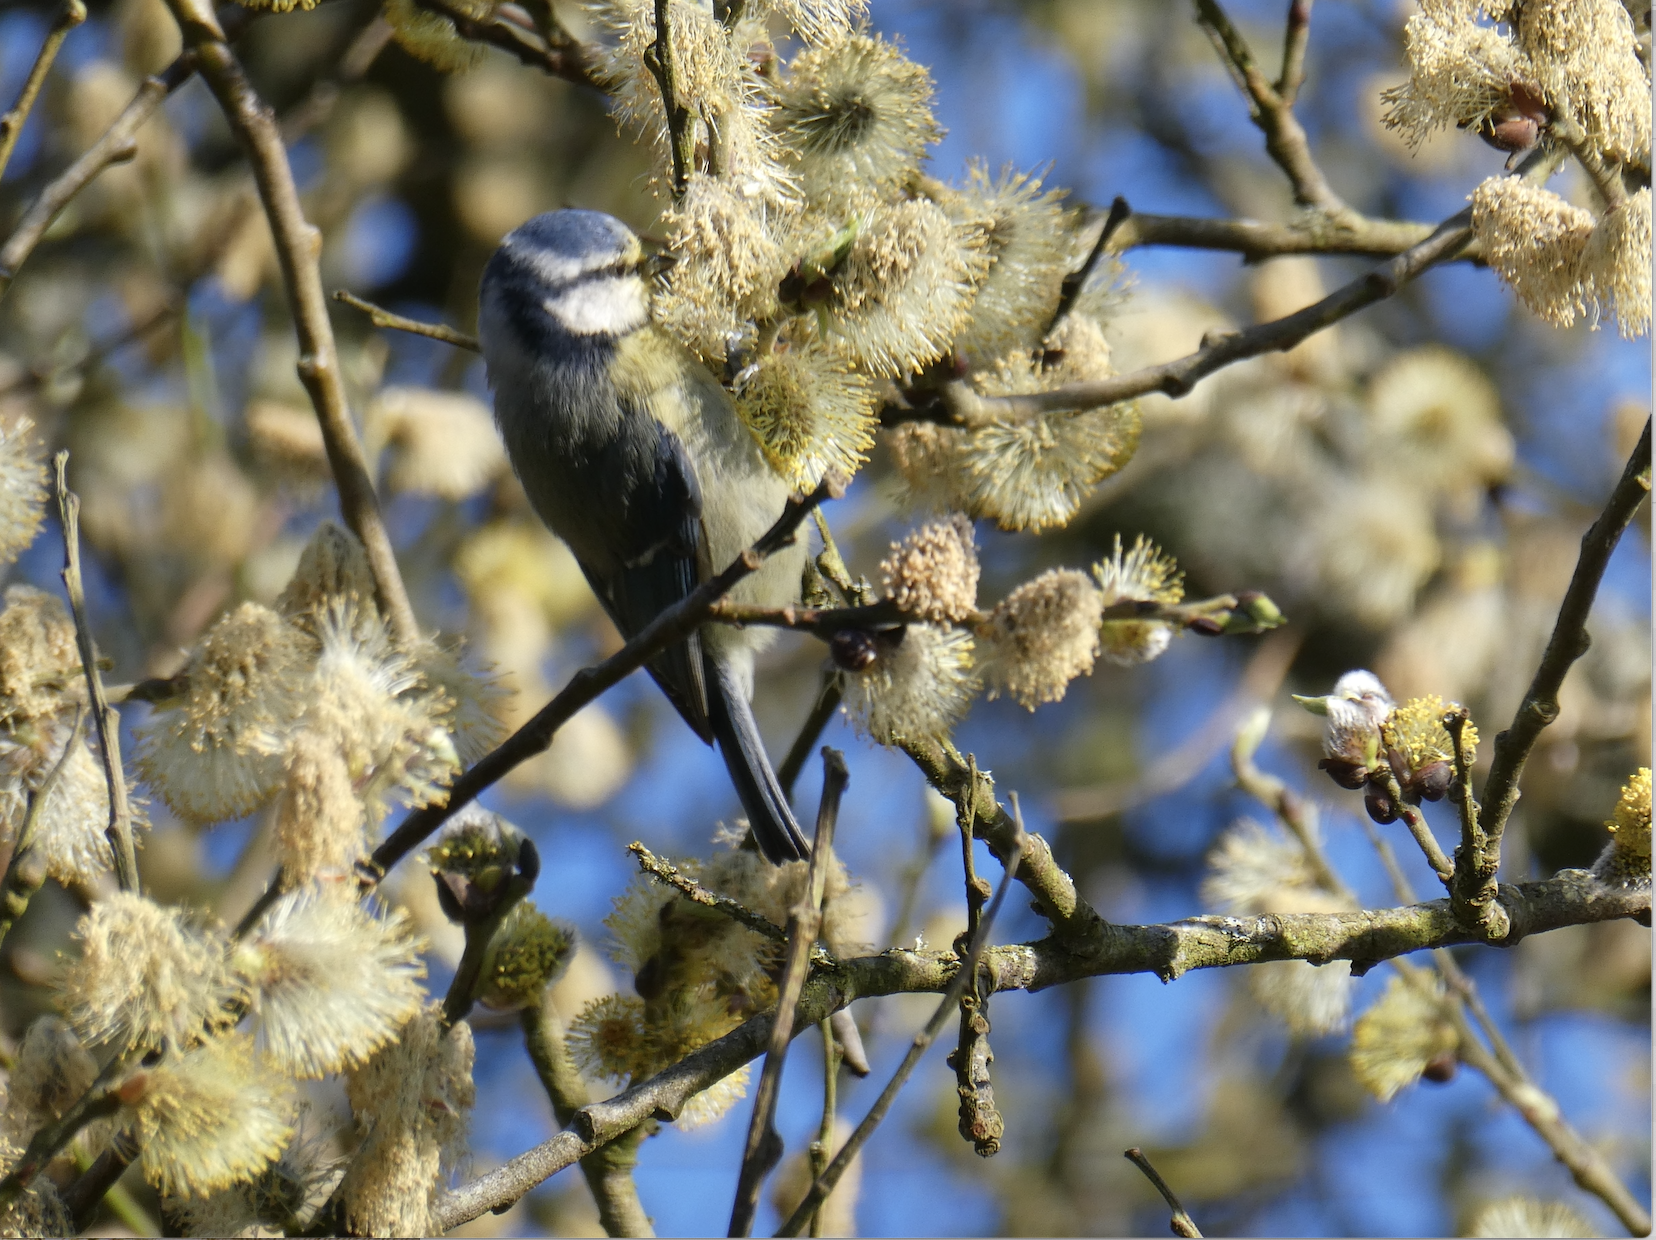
x,y
1349,775
650,979
486,887
1433,780
1207,626
1380,806
855,650
1440,1068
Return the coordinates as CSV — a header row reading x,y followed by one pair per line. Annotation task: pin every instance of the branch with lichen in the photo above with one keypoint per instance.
x,y
671,625
1170,950
298,251
12,122
667,872
1539,708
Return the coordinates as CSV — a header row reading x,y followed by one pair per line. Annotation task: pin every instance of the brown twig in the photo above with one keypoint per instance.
x,y
1285,139
1296,34
1254,240
1181,1224
1178,377
822,712
825,1183
822,1149
661,59
381,317
98,1181
104,718
1169,951
1568,643
1469,883
979,1120
298,251
1076,281
568,59
693,891
12,122
764,1146
672,625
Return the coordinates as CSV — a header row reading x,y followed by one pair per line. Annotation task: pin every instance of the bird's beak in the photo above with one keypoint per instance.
x,y
657,264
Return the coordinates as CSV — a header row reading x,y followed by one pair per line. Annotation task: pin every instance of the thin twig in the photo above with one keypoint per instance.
x,y
608,1171
661,59
825,1183
25,872
11,124
1468,884
1169,951
117,144
1285,139
822,1149
1178,377
1568,643
1181,1223
104,718
1296,33
298,251
1418,827
693,891
568,59
1076,281
381,317
100,1099
764,1146
674,624
822,712
99,1182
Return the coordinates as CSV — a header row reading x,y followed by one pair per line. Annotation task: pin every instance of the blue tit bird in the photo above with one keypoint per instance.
x,y
634,455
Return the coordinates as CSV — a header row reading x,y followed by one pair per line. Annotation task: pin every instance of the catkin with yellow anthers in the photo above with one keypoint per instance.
x,y
855,117
1617,262
39,660
712,1103
1034,474
1040,637
432,37
1460,73
1310,1000
69,835
905,287
215,752
818,21
144,975
1417,732
1626,860
329,983
527,953
1537,243
919,686
22,489
810,411
211,1117
474,696
607,1039
1142,575
1586,58
1028,246
321,827
412,1103
1400,1035
932,574
332,567
1252,869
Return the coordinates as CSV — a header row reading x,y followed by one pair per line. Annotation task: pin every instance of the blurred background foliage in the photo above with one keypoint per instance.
x,y
1409,486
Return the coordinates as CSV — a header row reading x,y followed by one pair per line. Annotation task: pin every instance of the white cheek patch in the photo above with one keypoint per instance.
x,y
600,307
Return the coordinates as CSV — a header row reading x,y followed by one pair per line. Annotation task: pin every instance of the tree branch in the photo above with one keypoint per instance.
x,y
381,317
569,59
298,250
697,894
11,124
672,625
1176,378
1181,1224
661,59
104,718
764,1147
1285,139
1570,898
1568,643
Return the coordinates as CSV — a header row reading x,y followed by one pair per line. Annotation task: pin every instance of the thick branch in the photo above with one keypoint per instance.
x,y
298,250
11,124
1568,643
1573,897
672,625
1176,378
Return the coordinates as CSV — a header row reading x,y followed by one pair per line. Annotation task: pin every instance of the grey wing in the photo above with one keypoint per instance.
x,y
662,554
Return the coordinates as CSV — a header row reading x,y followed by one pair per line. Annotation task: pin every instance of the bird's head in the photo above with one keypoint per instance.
x,y
586,270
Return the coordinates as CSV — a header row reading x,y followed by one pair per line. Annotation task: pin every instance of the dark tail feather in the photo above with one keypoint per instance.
x,y
731,720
